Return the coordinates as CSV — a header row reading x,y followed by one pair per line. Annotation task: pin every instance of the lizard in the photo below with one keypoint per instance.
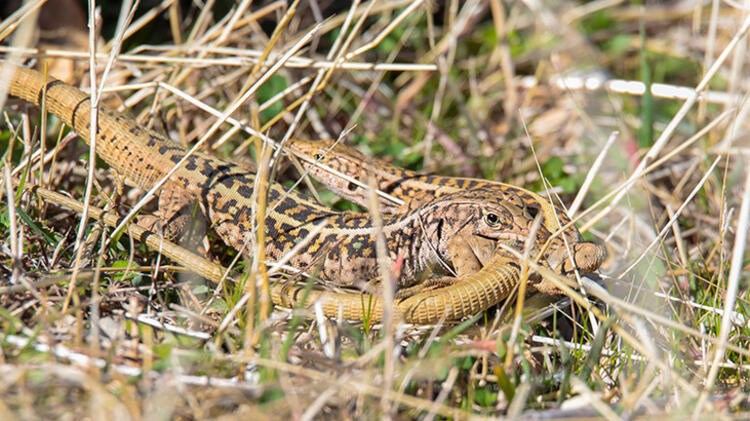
x,y
224,192
319,157
475,292
470,294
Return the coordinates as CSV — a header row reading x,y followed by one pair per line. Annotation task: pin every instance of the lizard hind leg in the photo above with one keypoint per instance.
x,y
176,212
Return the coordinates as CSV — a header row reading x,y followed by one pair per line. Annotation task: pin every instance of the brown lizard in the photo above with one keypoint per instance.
x,y
224,192
327,160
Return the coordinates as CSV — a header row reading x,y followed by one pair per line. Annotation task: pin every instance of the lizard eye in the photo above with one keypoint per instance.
x,y
318,157
533,210
492,219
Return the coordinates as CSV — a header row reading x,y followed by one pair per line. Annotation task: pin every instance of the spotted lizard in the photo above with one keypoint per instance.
x,y
467,296
345,245
327,160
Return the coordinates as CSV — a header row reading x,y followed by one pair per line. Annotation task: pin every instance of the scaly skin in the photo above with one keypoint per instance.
x,y
463,296
409,186
414,189
476,292
224,191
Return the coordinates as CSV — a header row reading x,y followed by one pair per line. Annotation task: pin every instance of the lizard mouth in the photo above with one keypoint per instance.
x,y
505,237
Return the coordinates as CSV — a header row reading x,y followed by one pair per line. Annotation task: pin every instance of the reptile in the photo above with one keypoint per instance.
x,y
470,294
326,160
445,228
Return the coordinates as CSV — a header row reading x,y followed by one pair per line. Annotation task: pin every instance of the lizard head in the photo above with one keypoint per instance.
x,y
565,251
329,153
318,157
489,215
325,151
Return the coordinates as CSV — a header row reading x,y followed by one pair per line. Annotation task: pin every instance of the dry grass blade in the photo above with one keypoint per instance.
x,y
387,282
150,194
591,174
94,127
673,219
26,13
93,134
15,249
241,58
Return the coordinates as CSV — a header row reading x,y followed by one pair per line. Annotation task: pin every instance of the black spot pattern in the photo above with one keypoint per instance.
x,y
49,86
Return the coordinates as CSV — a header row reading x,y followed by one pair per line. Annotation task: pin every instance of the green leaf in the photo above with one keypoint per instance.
x,y
162,351
618,45
201,289
442,372
592,359
135,277
646,131
34,227
485,397
599,21
504,382
489,35
501,349
273,86
220,305
553,168
568,185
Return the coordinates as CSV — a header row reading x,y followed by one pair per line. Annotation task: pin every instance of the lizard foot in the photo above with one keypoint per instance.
x,y
426,285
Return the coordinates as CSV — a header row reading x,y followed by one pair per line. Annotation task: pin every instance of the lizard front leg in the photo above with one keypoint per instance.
x,y
175,212
467,253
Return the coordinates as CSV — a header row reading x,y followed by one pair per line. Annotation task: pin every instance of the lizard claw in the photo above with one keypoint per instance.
x,y
427,285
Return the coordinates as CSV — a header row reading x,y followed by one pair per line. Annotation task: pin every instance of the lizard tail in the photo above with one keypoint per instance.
x,y
73,107
465,297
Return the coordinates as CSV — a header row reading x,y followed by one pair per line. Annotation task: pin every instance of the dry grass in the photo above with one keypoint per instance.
x,y
98,325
